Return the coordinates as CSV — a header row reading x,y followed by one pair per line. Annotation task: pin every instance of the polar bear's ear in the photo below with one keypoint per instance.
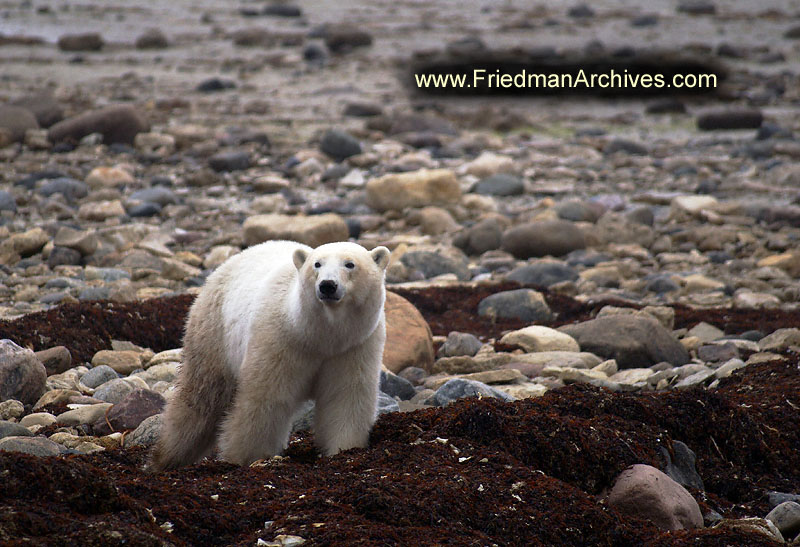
x,y
299,257
381,256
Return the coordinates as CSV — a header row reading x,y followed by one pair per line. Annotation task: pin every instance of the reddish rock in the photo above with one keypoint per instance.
x,y
644,491
55,360
130,412
118,124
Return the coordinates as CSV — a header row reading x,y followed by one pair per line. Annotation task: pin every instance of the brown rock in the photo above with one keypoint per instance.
x,y
312,230
22,376
644,491
130,412
16,120
409,342
117,123
416,189
55,360
88,41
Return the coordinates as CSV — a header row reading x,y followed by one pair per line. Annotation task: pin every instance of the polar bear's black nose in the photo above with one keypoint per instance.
x,y
327,287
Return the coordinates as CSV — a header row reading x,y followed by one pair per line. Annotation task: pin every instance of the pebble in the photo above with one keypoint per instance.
x,y
87,41
11,429
786,517
458,388
312,230
55,360
35,446
98,375
523,304
85,414
131,411
414,189
115,391
11,409
147,433
229,161
339,144
632,341
500,184
117,124
22,375
460,343
645,492
730,119
396,386
537,338
42,419
152,39
122,362
549,237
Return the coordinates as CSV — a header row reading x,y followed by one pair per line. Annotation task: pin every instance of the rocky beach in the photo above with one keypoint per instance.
x,y
592,313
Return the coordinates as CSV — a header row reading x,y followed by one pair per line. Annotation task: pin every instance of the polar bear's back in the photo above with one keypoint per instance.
x,y
253,282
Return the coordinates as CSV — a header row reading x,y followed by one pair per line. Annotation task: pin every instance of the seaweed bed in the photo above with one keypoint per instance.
x,y
478,472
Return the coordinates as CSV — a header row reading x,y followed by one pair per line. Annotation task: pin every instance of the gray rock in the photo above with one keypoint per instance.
x,y
387,404
776,498
71,189
786,517
7,202
15,121
63,256
87,41
734,118
633,341
430,264
682,466
661,284
645,492
117,124
12,429
460,343
396,386
485,235
618,228
98,376
130,412
22,375
781,339
523,304
339,145
501,184
549,237
147,433
695,379
114,391
458,388
235,160
626,146
579,211
542,274
156,194
715,353
415,375
35,446
94,293
362,109
144,209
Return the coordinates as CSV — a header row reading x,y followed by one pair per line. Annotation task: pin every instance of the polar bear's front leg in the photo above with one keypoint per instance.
x,y
260,421
346,395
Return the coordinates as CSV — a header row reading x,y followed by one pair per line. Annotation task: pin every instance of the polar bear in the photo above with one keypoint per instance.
x,y
276,325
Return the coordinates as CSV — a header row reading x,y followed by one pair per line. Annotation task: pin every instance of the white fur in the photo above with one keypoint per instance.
x,y
262,338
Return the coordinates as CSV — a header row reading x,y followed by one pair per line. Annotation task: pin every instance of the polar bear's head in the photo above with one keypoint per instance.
x,y
342,271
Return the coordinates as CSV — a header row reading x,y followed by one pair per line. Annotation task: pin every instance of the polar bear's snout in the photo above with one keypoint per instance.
x,y
329,290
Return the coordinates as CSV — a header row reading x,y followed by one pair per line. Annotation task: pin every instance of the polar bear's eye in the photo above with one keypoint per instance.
x,y
317,264
349,265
